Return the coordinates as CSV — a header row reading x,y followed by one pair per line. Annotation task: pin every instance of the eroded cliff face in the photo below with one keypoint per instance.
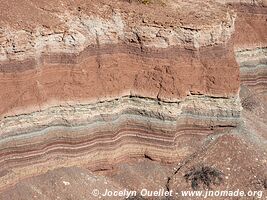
x,y
93,83
91,57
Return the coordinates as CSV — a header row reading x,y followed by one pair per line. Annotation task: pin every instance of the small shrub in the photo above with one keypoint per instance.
x,y
205,176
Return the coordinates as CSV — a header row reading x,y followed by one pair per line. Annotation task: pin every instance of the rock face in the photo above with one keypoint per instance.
x,y
95,83
97,57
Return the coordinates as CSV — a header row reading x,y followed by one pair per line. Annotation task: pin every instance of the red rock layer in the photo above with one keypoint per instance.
x,y
51,100
250,27
250,43
108,72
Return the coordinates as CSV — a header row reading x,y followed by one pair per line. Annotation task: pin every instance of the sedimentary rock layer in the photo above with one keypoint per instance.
x,y
104,81
96,57
90,134
169,75
251,54
253,68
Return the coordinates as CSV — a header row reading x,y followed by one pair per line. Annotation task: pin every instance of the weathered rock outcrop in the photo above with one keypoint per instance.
x,y
93,57
92,83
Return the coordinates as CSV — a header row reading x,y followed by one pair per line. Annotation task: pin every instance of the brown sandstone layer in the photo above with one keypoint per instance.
x,y
168,74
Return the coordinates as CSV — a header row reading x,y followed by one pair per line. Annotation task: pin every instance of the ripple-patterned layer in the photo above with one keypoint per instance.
x,y
94,134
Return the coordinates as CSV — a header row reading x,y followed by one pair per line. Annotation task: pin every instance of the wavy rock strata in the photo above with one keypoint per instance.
x,y
98,82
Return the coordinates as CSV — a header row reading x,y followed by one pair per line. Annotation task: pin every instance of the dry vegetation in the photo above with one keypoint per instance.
x,y
205,176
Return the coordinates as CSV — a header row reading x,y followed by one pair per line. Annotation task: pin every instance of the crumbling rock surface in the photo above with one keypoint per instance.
x,y
91,87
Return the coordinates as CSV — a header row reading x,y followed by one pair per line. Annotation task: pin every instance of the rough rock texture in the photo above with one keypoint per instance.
x,y
77,55
88,85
